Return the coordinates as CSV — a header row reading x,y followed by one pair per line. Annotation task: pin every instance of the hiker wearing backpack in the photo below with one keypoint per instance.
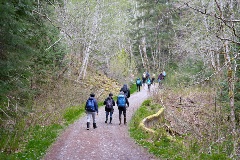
x,y
153,78
160,78
109,103
147,75
91,108
122,101
164,74
126,90
144,78
139,84
149,82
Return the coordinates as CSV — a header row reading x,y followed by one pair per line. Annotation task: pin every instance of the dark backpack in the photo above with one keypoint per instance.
x,y
109,103
121,101
147,75
90,105
125,89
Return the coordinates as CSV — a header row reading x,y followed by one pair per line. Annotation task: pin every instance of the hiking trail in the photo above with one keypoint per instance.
x,y
107,142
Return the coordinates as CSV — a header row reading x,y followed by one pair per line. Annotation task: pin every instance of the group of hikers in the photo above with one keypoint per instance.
x,y
149,80
122,102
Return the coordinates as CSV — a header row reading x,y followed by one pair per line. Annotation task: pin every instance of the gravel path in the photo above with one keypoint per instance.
x,y
107,142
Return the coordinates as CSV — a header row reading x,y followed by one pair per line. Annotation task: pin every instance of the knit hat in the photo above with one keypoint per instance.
x,y
92,95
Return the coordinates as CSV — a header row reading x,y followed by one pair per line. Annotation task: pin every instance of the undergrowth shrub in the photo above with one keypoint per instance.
x,y
177,147
187,73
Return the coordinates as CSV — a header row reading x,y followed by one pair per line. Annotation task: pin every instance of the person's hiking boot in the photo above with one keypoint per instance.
x,y
110,120
94,125
106,119
119,121
88,124
125,122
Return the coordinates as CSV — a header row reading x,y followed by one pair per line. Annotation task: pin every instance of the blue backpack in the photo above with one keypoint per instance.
x,y
90,105
148,81
139,82
121,101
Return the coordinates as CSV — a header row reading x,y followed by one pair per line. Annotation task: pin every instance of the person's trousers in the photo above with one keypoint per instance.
x,y
93,115
138,87
107,113
122,110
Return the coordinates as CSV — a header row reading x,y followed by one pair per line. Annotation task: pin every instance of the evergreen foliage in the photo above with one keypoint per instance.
x,y
190,49
28,59
24,61
154,23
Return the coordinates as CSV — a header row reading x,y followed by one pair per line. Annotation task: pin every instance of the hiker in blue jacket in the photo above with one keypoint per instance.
x,y
91,108
109,103
122,101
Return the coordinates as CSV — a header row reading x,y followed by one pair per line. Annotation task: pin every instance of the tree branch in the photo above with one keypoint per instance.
x,y
230,40
53,44
219,18
45,16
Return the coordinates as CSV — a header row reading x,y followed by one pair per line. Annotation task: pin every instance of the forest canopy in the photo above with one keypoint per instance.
x,y
50,47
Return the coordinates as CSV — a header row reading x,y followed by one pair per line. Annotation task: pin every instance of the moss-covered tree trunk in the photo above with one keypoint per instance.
x,y
231,78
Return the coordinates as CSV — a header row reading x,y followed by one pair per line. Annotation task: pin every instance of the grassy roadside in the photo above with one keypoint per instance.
x,y
35,140
161,145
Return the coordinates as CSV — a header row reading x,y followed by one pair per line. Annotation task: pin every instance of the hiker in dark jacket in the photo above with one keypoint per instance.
x,y
91,108
147,75
144,78
160,78
109,103
126,90
122,101
153,78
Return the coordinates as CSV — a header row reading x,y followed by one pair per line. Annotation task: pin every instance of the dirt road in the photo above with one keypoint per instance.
x,y
107,142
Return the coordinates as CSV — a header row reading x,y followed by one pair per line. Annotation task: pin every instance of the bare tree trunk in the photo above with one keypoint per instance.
x,y
218,61
212,53
231,86
82,72
96,19
231,83
231,77
159,56
144,50
131,56
141,54
153,58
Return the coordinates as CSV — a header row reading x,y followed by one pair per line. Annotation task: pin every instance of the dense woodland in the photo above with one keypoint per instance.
x,y
51,49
